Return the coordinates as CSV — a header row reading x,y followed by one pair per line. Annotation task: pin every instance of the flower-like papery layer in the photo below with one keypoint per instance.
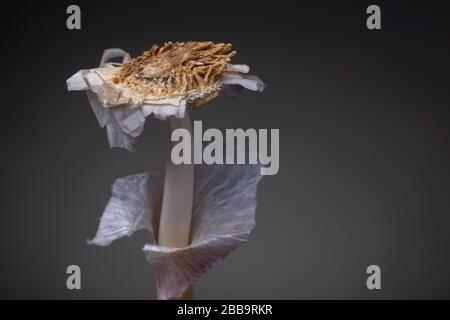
x,y
116,94
223,217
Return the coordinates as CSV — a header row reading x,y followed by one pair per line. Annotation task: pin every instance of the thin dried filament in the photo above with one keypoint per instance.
x,y
176,69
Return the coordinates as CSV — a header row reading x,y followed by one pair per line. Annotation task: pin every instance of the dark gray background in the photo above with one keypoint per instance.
x,y
364,155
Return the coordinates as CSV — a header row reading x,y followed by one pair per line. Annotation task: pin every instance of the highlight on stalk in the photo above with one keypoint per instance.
x,y
196,214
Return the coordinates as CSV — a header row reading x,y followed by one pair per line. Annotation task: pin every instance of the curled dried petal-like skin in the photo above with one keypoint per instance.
x,y
223,217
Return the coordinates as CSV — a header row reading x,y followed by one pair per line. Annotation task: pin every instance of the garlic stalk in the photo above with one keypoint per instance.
x,y
176,209
165,81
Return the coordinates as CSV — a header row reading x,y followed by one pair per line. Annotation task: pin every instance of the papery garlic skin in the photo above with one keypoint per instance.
x,y
223,217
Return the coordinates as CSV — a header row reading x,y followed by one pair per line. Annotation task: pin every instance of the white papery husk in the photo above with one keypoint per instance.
x,y
124,113
223,217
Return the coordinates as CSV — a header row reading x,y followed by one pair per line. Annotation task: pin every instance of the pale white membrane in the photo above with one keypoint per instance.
x,y
124,113
223,217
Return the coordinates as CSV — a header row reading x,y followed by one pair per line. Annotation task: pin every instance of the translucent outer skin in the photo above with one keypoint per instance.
x,y
223,217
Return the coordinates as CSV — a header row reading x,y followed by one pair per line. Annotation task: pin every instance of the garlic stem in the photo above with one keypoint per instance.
x,y
176,209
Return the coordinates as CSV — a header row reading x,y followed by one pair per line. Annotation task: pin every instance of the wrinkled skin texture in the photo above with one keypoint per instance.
x,y
223,217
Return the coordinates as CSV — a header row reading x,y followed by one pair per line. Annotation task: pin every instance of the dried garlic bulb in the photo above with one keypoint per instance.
x,y
163,81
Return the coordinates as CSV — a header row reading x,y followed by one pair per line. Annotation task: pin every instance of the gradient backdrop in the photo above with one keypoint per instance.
x,y
364,119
